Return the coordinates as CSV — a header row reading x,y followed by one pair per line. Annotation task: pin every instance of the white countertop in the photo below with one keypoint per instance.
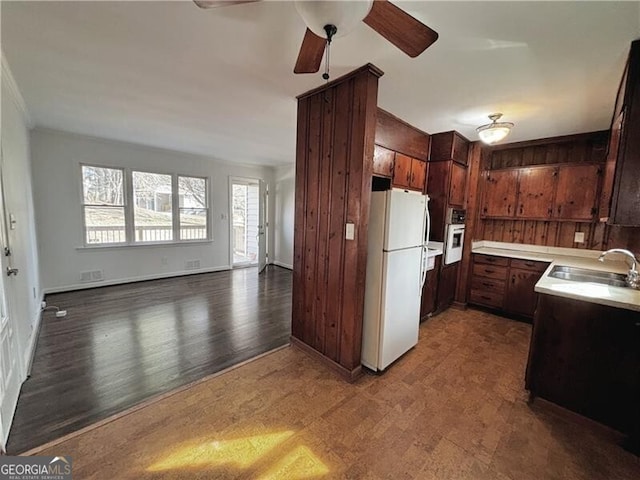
x,y
619,297
434,249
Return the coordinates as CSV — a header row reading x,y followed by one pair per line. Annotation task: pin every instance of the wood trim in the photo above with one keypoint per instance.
x,y
549,140
370,67
544,165
348,375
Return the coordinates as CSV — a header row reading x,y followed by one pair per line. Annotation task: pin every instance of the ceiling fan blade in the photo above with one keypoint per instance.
x,y
311,53
405,32
221,3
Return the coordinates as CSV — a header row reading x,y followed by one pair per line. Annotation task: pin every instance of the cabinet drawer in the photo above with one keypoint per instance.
x,y
490,271
532,265
491,260
488,285
490,299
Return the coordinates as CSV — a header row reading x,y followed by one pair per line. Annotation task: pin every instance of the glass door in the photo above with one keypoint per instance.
x,y
245,216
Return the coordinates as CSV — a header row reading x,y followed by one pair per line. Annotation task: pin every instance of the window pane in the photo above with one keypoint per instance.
x,y
102,186
104,225
152,216
193,208
193,224
193,192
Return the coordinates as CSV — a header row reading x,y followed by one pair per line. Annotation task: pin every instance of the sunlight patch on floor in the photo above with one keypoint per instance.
x,y
264,453
241,452
297,464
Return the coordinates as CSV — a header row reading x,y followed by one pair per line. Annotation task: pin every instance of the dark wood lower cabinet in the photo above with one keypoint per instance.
x,y
521,296
505,284
447,286
586,357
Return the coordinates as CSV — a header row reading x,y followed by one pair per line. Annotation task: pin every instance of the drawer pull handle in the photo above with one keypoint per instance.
x,y
487,284
529,264
486,270
484,297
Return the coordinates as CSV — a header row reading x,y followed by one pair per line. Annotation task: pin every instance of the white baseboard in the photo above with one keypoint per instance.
x,y
33,341
283,265
142,278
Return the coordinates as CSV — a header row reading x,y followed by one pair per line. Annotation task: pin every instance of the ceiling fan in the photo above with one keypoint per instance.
x,y
326,19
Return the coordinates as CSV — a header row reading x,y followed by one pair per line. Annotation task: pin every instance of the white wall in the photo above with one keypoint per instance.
x,y
56,158
284,215
23,291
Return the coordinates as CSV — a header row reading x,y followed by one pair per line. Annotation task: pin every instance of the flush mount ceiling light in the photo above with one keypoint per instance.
x,y
495,131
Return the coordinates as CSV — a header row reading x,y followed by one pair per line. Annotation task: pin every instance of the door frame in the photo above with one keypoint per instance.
x,y
19,370
254,181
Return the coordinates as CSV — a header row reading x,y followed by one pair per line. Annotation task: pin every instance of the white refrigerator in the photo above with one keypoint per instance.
x,y
396,270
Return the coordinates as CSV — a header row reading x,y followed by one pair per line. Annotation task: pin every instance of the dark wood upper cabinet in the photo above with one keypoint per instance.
x,y
410,173
577,192
402,171
625,200
458,185
500,190
449,146
418,174
566,192
536,187
383,159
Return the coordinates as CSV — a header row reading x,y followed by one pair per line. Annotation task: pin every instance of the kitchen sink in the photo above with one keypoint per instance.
x,y
593,276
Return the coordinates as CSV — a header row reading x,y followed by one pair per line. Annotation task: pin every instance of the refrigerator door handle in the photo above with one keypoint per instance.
x,y
425,261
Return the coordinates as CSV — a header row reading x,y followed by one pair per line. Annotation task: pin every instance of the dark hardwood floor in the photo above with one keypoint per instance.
x,y
122,344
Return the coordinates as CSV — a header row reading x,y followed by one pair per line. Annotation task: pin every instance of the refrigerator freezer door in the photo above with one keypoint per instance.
x,y
405,223
400,304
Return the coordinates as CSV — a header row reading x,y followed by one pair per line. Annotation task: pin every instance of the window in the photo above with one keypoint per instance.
x,y
103,205
144,211
192,194
153,205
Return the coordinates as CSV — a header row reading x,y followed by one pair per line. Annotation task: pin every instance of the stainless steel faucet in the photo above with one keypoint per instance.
x,y
633,277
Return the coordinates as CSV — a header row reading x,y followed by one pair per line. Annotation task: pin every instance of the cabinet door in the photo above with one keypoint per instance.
x,y
536,187
402,171
383,161
582,360
521,297
625,201
418,174
458,184
447,286
576,193
500,188
429,291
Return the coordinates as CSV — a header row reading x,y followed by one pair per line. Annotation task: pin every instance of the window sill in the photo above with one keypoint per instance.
x,y
143,245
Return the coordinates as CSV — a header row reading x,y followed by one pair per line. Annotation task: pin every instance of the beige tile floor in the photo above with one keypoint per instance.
x,y
452,408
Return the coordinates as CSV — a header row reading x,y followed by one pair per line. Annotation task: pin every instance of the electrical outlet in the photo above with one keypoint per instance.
x,y
43,305
578,237
165,261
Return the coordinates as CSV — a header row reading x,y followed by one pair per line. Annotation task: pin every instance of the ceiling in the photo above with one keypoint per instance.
x,y
220,82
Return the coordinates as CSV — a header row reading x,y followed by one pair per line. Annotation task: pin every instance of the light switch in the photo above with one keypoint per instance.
x,y
350,231
12,221
578,237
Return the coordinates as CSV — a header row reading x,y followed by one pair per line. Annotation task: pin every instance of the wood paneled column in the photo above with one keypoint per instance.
x,y
334,157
